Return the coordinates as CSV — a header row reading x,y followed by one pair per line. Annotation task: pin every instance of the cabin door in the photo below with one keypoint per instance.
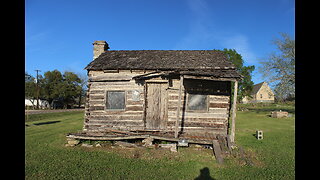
x,y
156,106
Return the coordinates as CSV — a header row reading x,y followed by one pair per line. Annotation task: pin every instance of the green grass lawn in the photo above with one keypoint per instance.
x,y
47,157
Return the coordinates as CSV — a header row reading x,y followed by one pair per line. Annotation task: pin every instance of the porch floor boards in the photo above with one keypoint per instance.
x,y
124,135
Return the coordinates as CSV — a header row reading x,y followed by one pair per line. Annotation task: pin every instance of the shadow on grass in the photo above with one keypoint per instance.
x,y
204,174
48,122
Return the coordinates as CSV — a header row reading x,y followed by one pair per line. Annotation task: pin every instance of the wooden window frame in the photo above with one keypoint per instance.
x,y
190,110
106,100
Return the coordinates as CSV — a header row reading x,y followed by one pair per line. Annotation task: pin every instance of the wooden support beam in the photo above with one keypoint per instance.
x,y
209,78
111,77
94,136
107,138
145,106
234,109
178,109
217,151
229,144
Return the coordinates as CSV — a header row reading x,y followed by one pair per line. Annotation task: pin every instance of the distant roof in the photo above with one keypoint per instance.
x,y
256,88
207,62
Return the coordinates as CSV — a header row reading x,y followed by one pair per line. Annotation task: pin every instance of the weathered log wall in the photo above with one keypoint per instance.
x,y
98,117
212,121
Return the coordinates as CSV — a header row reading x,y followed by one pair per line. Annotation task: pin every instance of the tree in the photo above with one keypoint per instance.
x,y
279,68
83,85
245,85
30,88
61,89
52,85
72,88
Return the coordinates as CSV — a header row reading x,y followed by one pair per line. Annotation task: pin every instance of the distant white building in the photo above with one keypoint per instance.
x,y
33,102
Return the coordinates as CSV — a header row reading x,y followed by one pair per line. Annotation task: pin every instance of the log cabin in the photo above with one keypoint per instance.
x,y
161,94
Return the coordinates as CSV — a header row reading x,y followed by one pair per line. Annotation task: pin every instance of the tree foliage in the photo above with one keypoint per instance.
x,y
279,68
245,85
30,88
58,89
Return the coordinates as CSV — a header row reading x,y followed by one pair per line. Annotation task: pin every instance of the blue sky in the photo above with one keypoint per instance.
x,y
59,34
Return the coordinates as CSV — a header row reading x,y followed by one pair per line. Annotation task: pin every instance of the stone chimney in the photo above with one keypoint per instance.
x,y
99,47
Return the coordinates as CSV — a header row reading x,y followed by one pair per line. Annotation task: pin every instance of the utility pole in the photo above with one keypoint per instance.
x,y
37,89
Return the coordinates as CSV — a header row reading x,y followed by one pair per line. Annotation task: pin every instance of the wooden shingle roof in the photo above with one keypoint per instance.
x,y
207,62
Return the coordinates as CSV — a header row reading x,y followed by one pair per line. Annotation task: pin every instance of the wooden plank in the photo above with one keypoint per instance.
x,y
135,137
233,123
209,78
219,105
115,83
200,119
106,113
103,127
124,88
111,77
128,121
107,138
111,86
217,151
116,117
219,110
134,108
223,143
93,108
96,97
163,106
157,80
208,129
178,108
96,91
200,124
111,71
175,103
115,123
229,144
203,131
156,110
145,105
199,115
117,131
153,99
144,75
130,102
219,98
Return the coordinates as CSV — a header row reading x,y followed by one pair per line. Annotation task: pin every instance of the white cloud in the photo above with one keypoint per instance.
x,y
36,38
204,34
240,43
199,33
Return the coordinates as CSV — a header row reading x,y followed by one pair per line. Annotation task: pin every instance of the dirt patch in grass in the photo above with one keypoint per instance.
x,y
191,153
246,157
239,156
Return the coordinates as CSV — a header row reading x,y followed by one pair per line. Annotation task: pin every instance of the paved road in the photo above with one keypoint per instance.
x,y
50,111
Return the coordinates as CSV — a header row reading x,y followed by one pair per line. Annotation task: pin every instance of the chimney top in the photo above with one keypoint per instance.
x,y
99,42
99,47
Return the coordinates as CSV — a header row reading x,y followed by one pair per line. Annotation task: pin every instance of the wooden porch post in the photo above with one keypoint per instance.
x,y
233,123
178,108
